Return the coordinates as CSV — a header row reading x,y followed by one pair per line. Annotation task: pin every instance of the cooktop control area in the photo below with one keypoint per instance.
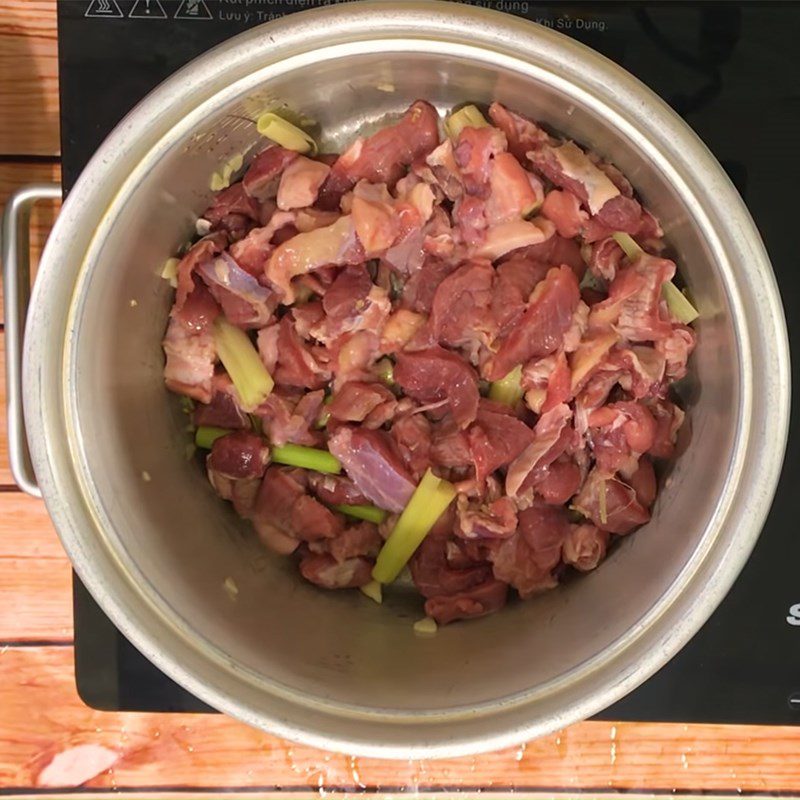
x,y
732,70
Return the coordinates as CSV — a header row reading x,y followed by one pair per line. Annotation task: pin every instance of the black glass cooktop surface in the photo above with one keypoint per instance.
x,y
732,70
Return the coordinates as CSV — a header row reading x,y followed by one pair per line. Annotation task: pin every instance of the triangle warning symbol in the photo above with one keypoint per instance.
x,y
147,9
103,9
193,9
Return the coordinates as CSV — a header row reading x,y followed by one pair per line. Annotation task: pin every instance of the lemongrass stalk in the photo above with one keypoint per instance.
x,y
466,117
206,435
285,134
240,358
297,455
678,304
368,513
508,390
429,501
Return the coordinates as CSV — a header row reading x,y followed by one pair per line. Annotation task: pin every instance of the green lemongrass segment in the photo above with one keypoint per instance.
x,y
385,371
466,117
368,513
429,501
297,455
206,435
240,358
169,272
628,244
222,179
285,134
508,390
591,281
426,626
373,590
602,504
678,304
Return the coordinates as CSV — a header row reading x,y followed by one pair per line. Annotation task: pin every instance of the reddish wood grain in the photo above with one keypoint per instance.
x,y
43,718
15,175
28,78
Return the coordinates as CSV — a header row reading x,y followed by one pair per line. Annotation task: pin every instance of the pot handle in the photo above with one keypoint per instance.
x,y
16,293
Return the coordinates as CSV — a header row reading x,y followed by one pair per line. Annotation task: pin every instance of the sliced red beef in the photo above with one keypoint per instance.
x,y
325,571
201,251
420,288
551,436
310,520
336,490
291,416
478,601
620,433
263,175
496,439
522,134
245,302
222,411
620,513
239,455
432,574
356,400
585,547
189,347
383,157
436,374
232,200
676,349
412,434
474,153
633,306
494,520
516,279
460,312
372,462
540,329
563,209
450,445
296,364
669,419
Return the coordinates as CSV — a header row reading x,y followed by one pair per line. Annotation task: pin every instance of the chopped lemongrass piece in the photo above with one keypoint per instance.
x,y
466,117
426,626
285,134
170,272
229,585
591,281
187,404
322,420
678,303
369,513
628,244
427,504
373,590
222,179
297,455
206,435
602,504
385,371
508,390
240,358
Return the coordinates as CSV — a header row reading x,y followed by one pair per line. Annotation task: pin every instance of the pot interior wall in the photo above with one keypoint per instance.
x,y
177,533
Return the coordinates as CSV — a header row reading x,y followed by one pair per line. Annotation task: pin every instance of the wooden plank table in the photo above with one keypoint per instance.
x,y
51,744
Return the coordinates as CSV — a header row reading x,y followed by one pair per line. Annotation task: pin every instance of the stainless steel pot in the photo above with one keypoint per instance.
x,y
155,546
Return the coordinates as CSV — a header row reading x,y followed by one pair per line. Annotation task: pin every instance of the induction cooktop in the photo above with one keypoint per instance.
x,y
732,70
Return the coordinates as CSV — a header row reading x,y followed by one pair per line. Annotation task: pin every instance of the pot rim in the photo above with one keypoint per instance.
x,y
498,39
